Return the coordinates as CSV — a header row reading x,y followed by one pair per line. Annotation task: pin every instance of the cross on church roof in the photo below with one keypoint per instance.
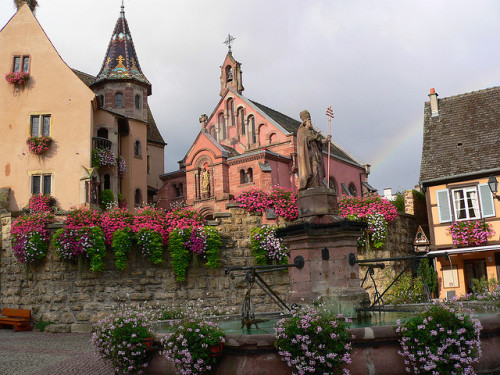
x,y
229,41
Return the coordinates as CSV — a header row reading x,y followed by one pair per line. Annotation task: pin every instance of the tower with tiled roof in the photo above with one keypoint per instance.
x,y
121,84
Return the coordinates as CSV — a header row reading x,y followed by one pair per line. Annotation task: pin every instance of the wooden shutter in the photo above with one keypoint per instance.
x,y
486,198
444,208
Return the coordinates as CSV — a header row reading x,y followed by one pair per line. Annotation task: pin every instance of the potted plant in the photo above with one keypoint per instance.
x,y
123,339
194,345
440,341
39,145
314,341
266,247
470,232
17,78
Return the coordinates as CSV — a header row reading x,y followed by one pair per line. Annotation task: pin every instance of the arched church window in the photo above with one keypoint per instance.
x,y
102,133
229,73
241,117
119,100
230,110
352,190
250,175
243,177
222,125
211,131
251,121
137,102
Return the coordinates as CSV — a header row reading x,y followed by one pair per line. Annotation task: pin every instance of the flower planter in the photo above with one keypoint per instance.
x,y
148,343
216,350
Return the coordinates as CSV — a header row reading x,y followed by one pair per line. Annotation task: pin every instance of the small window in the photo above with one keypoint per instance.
x,y
229,73
465,203
230,109
148,164
40,125
21,63
251,121
107,181
222,125
243,177
119,100
212,132
137,148
41,184
241,116
250,175
352,190
100,100
138,197
137,102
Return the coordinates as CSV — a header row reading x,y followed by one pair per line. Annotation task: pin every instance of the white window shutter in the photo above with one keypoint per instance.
x,y
444,208
487,204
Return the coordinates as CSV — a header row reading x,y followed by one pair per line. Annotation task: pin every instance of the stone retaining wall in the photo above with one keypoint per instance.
x,y
56,291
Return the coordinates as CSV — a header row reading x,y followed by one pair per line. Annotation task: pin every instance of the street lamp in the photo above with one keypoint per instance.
x,y
493,184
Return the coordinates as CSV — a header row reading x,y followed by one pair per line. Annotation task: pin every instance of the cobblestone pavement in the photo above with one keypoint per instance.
x,y
39,353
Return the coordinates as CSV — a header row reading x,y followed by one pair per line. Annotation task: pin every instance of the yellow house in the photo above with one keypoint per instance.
x,y
460,155
81,114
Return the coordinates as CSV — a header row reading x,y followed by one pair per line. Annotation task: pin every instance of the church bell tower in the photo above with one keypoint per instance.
x,y
231,74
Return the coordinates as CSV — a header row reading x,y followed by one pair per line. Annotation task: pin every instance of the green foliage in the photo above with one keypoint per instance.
x,y
429,274
440,341
399,202
121,245
406,290
214,245
150,244
106,199
180,255
314,341
97,252
41,325
483,286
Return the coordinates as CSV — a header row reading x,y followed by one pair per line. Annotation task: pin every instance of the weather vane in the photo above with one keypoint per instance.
x,y
229,41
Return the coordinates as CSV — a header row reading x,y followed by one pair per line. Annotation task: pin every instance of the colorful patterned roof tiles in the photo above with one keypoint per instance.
x,y
120,61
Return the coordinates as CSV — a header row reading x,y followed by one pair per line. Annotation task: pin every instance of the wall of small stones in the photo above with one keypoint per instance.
x,y
57,291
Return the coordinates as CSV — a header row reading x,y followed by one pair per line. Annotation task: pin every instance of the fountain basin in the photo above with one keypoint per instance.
x,y
375,352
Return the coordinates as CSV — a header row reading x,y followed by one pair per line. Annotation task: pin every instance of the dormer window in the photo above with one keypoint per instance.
x,y
137,102
118,100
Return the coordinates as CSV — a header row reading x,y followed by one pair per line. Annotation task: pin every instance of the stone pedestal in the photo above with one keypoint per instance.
x,y
317,202
327,273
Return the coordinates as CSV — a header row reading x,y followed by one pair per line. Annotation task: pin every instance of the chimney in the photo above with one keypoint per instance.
x,y
434,103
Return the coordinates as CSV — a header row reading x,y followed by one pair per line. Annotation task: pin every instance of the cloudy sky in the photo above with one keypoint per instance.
x,y
372,61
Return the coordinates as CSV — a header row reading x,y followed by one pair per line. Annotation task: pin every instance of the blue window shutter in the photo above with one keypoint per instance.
x,y
487,204
444,208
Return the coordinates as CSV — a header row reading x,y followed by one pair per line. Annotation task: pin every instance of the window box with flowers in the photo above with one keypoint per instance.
x,y
122,165
17,78
470,232
39,145
103,157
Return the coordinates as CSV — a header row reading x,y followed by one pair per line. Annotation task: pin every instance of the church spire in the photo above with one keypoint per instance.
x,y
120,61
231,74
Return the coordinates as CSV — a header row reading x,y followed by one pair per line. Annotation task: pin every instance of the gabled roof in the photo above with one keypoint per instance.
x,y
120,61
153,134
288,123
464,138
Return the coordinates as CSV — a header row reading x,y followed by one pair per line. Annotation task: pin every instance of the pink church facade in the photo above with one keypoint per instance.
x,y
244,144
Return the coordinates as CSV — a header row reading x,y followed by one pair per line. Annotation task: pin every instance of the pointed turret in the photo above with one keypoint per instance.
x,y
231,74
120,61
120,84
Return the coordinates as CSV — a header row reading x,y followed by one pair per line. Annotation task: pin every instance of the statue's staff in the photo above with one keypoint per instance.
x,y
329,113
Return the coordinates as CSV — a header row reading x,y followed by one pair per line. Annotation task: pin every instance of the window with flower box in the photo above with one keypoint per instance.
x,y
465,203
41,184
40,125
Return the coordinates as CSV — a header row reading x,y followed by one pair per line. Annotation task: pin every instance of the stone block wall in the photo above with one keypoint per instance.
x,y
57,291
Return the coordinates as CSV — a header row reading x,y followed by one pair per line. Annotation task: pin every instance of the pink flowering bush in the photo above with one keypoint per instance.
x,y
39,145
17,78
83,217
470,232
119,338
373,210
183,218
266,247
30,236
189,345
151,218
440,341
113,220
314,342
282,200
103,157
41,203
